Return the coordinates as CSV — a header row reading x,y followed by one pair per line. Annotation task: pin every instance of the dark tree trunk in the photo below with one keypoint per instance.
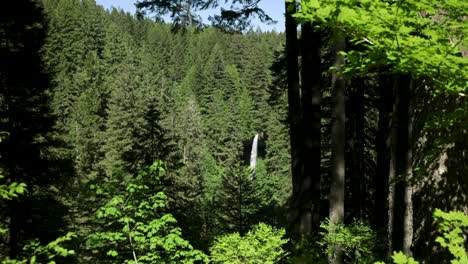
x,y
400,205
294,112
309,190
380,215
355,154
294,106
338,136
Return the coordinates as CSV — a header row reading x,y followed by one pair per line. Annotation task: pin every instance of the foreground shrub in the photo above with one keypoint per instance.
x,y
262,245
137,229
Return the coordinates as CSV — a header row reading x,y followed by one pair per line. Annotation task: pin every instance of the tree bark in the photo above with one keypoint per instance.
x,y
309,193
408,195
380,216
400,194
337,187
355,154
294,112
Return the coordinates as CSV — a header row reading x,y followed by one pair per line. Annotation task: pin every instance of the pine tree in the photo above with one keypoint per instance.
x,y
73,54
237,201
133,134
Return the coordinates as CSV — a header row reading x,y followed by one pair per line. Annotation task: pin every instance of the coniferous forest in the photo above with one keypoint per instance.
x,y
127,139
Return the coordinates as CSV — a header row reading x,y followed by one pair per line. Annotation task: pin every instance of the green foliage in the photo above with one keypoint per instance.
x,y
262,245
12,190
37,253
135,221
423,38
400,258
9,192
453,225
34,250
356,240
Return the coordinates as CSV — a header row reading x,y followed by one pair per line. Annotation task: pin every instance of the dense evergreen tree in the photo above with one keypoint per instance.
x,y
26,149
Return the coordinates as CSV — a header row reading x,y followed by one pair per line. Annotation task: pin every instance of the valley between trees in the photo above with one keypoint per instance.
x,y
128,140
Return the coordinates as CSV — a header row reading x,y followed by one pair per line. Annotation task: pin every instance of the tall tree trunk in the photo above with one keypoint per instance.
x,y
355,154
408,216
337,187
380,215
294,112
400,200
395,233
309,192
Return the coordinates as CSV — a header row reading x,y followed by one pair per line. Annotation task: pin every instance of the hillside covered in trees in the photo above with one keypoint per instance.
x,y
124,139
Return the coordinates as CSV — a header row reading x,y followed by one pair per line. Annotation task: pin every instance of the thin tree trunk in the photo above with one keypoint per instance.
x,y
311,123
337,187
408,217
394,231
135,258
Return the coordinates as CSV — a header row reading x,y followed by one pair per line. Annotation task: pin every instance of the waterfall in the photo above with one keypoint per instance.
x,y
253,154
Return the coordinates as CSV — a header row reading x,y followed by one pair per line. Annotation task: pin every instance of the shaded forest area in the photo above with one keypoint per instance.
x,y
128,140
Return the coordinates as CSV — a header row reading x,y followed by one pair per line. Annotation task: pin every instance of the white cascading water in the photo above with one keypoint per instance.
x,y
253,153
